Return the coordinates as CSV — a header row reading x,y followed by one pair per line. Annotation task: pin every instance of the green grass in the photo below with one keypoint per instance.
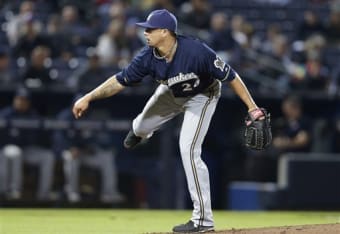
x,y
82,221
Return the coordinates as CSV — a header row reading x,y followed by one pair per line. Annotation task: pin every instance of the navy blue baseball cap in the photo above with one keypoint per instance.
x,y
160,19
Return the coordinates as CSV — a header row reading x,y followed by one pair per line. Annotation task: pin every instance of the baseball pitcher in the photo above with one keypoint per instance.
x,y
189,74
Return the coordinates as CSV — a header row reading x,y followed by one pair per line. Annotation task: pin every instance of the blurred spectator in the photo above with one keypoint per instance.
x,y
110,43
37,73
310,25
317,74
133,42
24,144
280,49
90,148
77,33
220,34
64,68
149,5
236,28
162,4
16,22
242,31
333,27
91,75
117,11
57,40
334,5
335,81
30,38
279,64
7,73
315,43
63,54
273,31
86,9
314,75
196,13
291,133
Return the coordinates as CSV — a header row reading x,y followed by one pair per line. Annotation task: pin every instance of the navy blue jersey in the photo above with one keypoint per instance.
x,y
193,68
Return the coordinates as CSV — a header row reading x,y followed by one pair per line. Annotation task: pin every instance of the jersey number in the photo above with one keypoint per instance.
x,y
187,87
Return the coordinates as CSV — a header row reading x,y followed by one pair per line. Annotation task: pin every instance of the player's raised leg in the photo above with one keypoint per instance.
x,y
159,109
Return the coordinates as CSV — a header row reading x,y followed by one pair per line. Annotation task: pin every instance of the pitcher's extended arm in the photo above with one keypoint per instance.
x,y
107,89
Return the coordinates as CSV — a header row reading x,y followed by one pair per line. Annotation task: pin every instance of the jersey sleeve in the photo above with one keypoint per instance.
x,y
136,70
218,68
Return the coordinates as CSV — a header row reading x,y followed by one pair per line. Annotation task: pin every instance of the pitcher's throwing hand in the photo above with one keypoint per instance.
x,y
80,106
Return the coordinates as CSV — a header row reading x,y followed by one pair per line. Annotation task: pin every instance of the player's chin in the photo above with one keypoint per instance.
x,y
149,42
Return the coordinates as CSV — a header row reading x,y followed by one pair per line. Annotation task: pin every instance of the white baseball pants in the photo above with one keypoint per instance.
x,y
198,111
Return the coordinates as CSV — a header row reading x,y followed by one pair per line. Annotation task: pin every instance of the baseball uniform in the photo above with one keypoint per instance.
x,y
189,84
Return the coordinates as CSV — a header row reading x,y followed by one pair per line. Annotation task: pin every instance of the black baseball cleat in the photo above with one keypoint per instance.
x,y
191,227
131,140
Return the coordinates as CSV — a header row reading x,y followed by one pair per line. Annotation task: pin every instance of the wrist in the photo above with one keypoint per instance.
x,y
252,108
88,97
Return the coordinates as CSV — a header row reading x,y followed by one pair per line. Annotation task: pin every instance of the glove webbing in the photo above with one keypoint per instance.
x,y
255,135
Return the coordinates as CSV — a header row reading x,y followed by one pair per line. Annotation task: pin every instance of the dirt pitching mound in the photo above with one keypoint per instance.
x,y
303,229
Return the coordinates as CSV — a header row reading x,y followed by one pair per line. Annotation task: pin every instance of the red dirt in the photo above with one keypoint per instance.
x,y
303,229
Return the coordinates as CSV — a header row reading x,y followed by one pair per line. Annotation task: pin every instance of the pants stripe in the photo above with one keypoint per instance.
x,y
199,192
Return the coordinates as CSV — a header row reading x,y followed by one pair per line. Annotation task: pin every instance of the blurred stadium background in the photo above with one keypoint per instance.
x,y
52,51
